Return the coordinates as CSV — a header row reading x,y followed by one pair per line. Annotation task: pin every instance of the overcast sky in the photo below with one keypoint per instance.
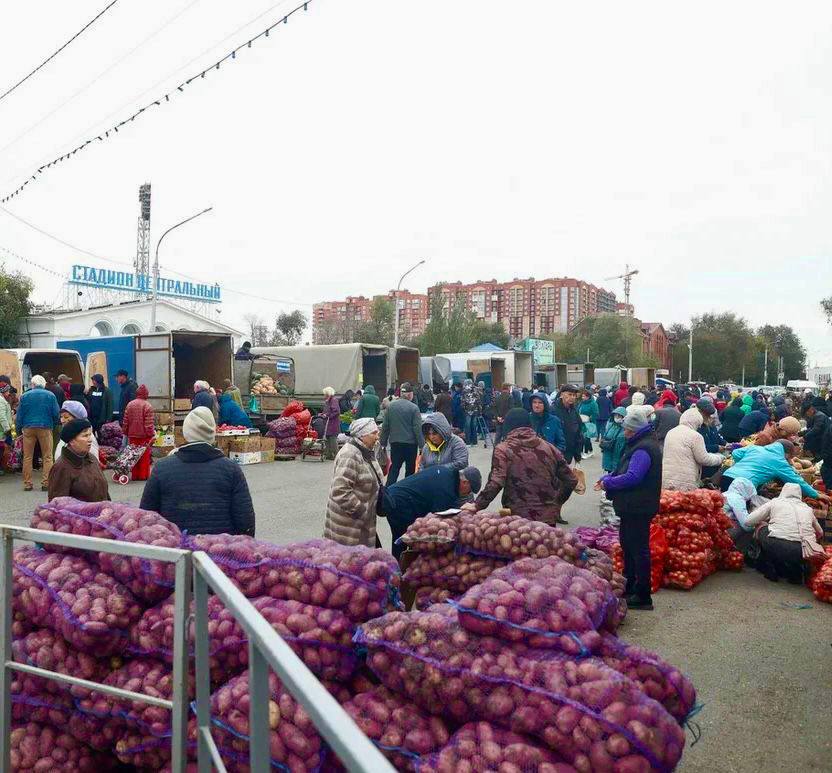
x,y
493,139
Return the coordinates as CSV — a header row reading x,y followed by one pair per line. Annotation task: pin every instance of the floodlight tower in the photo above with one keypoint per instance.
x,y
142,263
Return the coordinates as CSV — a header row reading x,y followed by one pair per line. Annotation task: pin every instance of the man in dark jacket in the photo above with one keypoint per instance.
x,y
604,412
664,420
244,352
573,428
635,489
816,426
198,488
402,429
444,404
428,491
100,400
128,392
502,405
52,386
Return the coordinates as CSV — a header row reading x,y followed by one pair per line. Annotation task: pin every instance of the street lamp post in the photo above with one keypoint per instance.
x,y
156,265
396,302
690,356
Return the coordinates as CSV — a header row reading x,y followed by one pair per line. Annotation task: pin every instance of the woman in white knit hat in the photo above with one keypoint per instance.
x,y
198,488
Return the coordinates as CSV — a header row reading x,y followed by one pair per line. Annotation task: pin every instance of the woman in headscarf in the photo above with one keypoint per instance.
x,y
353,494
139,425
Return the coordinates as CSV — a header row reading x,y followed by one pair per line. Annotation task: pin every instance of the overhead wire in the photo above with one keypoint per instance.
x,y
105,134
55,53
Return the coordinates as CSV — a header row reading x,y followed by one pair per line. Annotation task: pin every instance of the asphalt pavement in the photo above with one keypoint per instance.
x,y
757,652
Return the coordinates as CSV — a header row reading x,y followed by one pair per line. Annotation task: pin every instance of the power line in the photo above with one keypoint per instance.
x,y
32,262
231,55
50,58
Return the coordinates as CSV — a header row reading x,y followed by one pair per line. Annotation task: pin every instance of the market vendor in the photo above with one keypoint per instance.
x,y
783,430
740,499
428,491
442,448
753,422
760,464
231,413
816,425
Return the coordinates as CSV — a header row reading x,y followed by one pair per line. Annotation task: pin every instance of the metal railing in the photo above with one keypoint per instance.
x,y
198,573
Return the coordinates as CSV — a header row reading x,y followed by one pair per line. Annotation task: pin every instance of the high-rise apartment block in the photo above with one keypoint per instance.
x,y
336,321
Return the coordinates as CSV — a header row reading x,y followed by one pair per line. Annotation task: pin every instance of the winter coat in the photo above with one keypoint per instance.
x,y
533,475
731,418
200,490
77,477
453,452
636,404
444,404
369,406
204,399
791,519
138,420
753,422
93,451
664,420
573,429
588,408
38,408
621,394
739,493
353,494
713,440
635,488
612,444
668,398
547,425
471,400
604,406
332,412
761,464
427,491
100,400
813,439
126,395
685,454
5,416
231,413
402,424
747,402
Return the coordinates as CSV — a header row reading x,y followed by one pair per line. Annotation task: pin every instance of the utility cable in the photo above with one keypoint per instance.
x,y
50,58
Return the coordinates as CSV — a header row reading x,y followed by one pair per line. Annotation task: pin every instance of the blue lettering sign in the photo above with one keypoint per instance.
x,y
109,279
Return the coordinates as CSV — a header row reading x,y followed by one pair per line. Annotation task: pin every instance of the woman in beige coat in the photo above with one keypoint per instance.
x,y
351,509
685,454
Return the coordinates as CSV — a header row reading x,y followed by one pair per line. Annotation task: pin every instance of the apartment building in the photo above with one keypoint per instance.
x,y
336,321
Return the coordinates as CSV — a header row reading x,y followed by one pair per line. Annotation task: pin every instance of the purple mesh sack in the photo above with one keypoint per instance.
x,y
514,537
359,581
485,748
587,534
149,580
449,570
40,706
590,715
283,427
74,598
294,743
600,564
322,638
39,747
544,603
431,533
426,597
111,434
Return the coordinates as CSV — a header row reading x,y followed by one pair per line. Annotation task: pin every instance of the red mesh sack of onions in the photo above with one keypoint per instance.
x,y
294,742
149,580
43,648
449,570
359,581
143,675
542,602
480,747
403,732
74,598
590,715
321,637
514,537
431,533
41,748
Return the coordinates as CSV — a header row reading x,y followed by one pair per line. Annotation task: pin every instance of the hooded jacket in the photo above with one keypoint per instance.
x,y
547,425
747,402
760,464
588,408
685,454
739,493
612,444
369,406
533,475
753,422
200,490
573,428
231,413
138,420
453,452
604,406
731,418
790,518
638,405
621,394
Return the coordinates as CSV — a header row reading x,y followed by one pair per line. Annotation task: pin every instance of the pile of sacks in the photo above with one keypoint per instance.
x,y
291,428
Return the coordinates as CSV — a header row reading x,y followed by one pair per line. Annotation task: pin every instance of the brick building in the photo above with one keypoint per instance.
x,y
336,321
529,307
656,343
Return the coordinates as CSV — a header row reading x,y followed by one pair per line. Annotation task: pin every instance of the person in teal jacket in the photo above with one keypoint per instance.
x,y
231,413
760,464
369,406
747,402
545,423
589,408
612,444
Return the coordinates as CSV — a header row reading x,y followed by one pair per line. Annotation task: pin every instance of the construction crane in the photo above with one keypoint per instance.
x,y
627,276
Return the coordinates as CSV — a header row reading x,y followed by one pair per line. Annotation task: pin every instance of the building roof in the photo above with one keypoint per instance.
x,y
487,348
652,326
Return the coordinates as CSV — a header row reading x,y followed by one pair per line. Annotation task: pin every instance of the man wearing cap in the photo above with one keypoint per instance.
x,y
198,488
428,491
402,429
531,472
76,474
635,489
128,391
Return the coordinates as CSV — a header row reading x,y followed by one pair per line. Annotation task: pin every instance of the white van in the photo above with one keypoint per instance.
x,y
21,364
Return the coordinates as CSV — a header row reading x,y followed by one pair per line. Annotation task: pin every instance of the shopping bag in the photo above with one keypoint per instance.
x,y
581,487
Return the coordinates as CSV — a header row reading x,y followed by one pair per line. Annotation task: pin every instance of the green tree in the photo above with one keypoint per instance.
x,y
457,330
378,329
15,304
289,328
610,339
722,345
781,341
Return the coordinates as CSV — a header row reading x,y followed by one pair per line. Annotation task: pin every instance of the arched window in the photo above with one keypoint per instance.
x,y
101,328
161,329
130,329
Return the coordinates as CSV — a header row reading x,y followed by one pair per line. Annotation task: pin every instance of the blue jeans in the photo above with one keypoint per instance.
x,y
470,430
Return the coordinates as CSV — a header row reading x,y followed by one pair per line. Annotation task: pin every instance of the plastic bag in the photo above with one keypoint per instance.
x,y
582,710
74,598
431,533
545,603
359,581
452,571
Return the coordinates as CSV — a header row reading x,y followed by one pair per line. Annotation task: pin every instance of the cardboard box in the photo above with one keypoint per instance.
x,y
224,444
267,444
267,456
244,457
242,445
182,404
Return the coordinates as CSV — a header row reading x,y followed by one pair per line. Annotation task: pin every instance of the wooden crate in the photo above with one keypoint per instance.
x,y
272,403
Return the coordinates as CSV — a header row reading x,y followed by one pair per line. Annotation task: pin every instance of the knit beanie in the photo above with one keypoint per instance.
x,y
199,426
635,421
515,419
73,428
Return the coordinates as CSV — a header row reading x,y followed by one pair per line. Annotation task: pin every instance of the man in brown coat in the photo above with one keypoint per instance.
x,y
532,473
